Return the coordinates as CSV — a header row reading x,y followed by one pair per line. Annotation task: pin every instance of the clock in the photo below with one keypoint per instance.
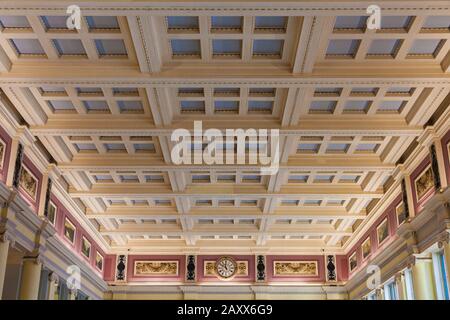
x,y
226,267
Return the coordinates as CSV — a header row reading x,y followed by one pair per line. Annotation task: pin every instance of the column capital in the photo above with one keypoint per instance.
x,y
443,239
54,278
36,259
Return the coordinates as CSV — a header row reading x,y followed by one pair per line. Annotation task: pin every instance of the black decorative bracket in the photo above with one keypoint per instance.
x,y
405,199
330,265
435,168
191,262
121,268
260,268
18,166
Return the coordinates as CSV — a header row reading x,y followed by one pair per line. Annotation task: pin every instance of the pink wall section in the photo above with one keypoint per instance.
x,y
4,168
61,214
391,216
418,205
178,278
445,147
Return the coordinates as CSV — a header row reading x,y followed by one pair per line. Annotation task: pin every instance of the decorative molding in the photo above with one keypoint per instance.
x,y
295,268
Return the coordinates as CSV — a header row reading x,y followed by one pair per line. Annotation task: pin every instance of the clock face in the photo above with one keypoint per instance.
x,y
226,267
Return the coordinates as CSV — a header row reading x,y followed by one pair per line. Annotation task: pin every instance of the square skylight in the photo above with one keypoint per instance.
x,y
328,91
426,47
227,47
146,148
122,92
400,91
89,91
226,92
69,47
27,46
193,92
14,22
349,178
219,23
60,105
342,47
271,48
370,92
96,106
437,22
185,47
132,106
267,23
110,47
251,178
308,147
350,22
52,90
262,92
337,147
54,22
391,106
258,106
357,106
396,22
320,106
85,147
388,47
102,22
226,106
182,22
289,202
115,147
192,106
367,147
310,202
298,178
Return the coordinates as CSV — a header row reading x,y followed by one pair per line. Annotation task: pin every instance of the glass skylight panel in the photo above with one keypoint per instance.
x,y
130,106
192,106
182,22
437,22
426,47
262,92
226,106
350,22
268,48
337,147
197,92
226,47
14,22
391,106
384,47
146,147
60,105
125,91
85,147
257,106
364,91
27,46
102,22
328,91
182,47
396,22
320,106
343,47
110,47
224,92
89,91
268,23
54,22
308,147
357,106
115,147
367,147
52,90
69,47
223,23
96,105
297,178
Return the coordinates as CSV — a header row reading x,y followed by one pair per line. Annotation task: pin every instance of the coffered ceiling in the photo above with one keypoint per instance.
x,y
348,101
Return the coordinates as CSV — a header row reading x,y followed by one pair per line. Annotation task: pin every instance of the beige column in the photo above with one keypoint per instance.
x,y
31,275
379,293
423,279
401,286
53,281
446,249
4,249
72,294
